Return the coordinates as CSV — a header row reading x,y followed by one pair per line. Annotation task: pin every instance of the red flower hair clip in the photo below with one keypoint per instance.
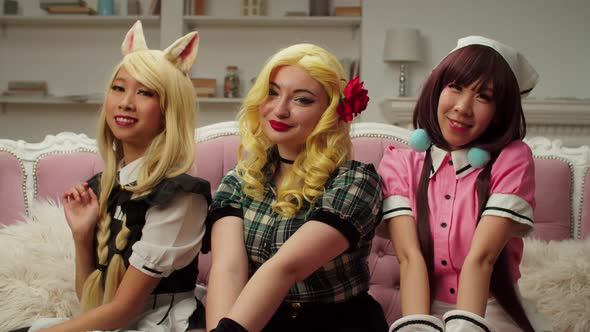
x,y
353,101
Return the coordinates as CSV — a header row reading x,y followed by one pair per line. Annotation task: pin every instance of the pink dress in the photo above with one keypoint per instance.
x,y
452,199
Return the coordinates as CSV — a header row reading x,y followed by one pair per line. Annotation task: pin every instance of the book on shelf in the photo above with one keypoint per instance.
x,y
194,7
154,8
67,7
198,7
347,11
71,10
27,85
133,7
205,87
25,98
44,4
15,92
85,97
204,93
26,88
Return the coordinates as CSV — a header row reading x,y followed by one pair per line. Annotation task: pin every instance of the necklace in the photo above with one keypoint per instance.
x,y
286,161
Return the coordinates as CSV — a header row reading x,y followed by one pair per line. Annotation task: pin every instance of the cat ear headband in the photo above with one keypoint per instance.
x,y
182,53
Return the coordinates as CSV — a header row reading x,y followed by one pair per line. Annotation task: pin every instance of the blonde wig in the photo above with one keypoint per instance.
x,y
170,153
327,146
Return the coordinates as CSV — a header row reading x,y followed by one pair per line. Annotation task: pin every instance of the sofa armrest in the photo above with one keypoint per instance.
x,y
578,159
13,201
44,170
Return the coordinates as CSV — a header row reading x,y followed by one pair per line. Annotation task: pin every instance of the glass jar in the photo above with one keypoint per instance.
x,y
231,83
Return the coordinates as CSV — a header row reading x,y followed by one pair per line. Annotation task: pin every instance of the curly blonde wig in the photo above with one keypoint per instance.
x,y
327,146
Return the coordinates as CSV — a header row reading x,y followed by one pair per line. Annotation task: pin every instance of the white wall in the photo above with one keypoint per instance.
x,y
78,59
552,34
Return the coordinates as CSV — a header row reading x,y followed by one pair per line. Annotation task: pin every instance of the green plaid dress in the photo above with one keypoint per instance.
x,y
351,204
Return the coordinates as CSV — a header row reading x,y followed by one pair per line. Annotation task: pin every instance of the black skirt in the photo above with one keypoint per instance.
x,y
360,314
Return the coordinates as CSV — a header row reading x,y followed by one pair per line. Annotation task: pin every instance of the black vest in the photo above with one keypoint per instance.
x,y
135,209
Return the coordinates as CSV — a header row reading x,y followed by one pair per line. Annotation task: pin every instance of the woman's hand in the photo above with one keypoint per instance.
x,y
81,210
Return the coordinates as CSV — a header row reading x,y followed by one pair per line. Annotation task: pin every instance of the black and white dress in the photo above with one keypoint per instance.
x,y
166,231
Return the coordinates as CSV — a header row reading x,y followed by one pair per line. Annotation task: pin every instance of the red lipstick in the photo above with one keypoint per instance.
x,y
279,126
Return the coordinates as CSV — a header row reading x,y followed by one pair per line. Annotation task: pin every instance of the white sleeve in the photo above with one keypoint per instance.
x,y
171,237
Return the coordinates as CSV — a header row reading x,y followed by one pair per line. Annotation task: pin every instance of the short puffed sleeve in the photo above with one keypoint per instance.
x,y
352,201
395,169
226,202
172,235
227,199
512,185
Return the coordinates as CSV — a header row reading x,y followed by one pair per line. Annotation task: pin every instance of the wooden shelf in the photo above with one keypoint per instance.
x,y
13,27
45,100
75,19
191,21
265,21
52,100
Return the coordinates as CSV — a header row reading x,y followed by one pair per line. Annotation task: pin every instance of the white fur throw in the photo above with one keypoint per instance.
x,y
37,268
556,274
37,274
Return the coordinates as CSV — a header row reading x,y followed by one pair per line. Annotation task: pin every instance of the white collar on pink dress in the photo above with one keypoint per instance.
x,y
459,158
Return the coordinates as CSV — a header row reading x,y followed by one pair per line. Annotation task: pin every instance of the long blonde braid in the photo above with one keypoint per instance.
x,y
116,269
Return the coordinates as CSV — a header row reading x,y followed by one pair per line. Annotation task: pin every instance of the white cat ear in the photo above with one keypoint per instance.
x,y
183,52
134,40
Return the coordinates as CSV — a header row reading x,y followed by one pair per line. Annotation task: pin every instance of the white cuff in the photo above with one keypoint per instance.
x,y
394,206
417,323
511,207
465,321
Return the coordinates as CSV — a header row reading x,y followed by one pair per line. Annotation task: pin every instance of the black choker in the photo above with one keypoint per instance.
x,y
286,161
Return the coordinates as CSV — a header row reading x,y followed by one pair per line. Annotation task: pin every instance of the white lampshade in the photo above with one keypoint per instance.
x,y
402,45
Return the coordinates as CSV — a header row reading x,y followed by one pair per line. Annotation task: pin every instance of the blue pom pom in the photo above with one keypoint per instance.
x,y
419,140
478,157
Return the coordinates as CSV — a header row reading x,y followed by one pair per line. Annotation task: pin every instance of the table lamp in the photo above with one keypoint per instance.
x,y
402,45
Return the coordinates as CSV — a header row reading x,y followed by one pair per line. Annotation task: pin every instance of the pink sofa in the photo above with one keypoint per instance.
x,y
43,170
